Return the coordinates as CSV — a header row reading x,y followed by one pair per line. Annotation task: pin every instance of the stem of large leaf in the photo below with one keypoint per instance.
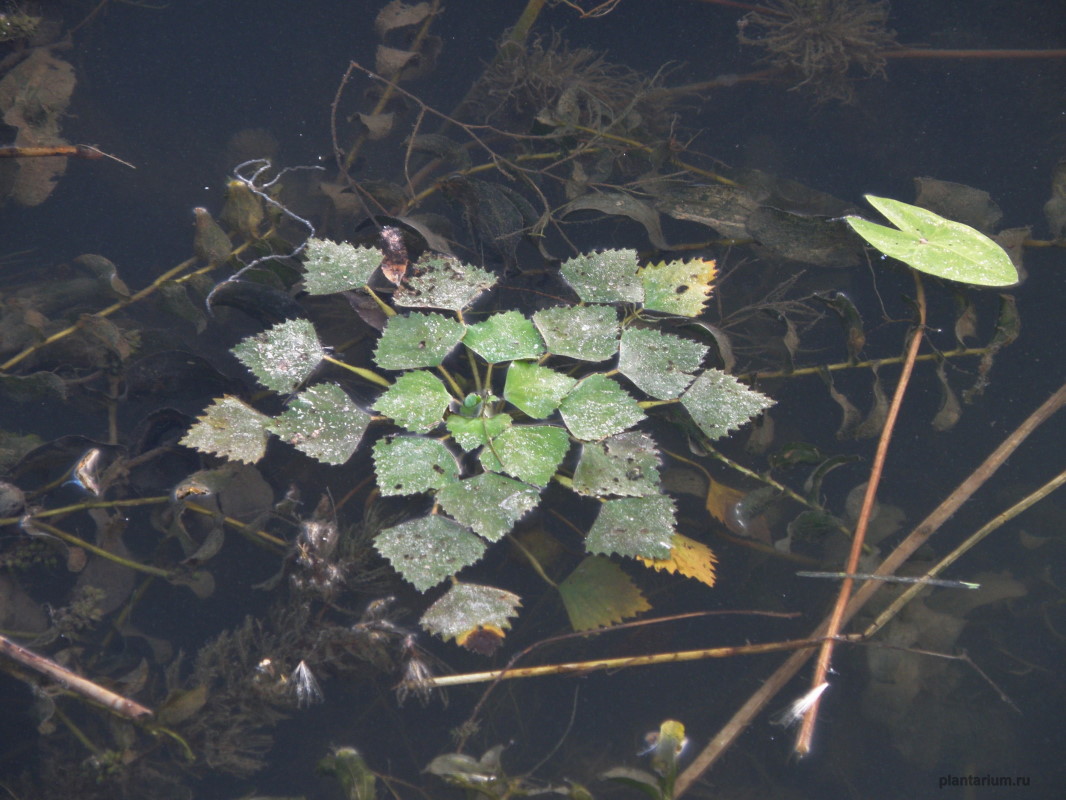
x,y
373,377
532,560
836,619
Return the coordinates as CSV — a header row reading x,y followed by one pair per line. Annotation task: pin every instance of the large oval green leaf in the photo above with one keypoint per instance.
x,y
936,246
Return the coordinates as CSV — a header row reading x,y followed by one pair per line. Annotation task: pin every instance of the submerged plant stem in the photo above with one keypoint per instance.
x,y
743,717
583,667
836,619
362,372
122,706
994,524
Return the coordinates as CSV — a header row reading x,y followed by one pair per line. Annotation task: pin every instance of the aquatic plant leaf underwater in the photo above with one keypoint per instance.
x,y
587,333
660,364
322,421
282,357
230,428
506,336
936,246
621,204
417,340
417,401
598,594
718,403
427,550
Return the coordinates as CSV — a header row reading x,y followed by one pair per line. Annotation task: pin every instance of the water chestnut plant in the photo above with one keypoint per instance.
x,y
483,415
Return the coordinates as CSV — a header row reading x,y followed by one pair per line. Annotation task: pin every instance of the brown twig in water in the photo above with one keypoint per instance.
x,y
783,674
623,662
924,52
508,671
120,705
836,619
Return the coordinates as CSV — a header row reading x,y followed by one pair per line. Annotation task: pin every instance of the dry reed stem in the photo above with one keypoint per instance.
x,y
917,537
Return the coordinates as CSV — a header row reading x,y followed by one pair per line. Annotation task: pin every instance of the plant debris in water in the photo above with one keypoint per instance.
x,y
822,40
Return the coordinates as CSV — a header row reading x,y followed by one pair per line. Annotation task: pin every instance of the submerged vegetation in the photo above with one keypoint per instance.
x,y
825,41
484,424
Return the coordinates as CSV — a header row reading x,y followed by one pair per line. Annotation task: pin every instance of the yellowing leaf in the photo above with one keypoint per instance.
x,y
678,287
722,500
688,557
598,594
483,640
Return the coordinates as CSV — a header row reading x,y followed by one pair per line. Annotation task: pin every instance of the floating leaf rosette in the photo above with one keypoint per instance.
x,y
488,409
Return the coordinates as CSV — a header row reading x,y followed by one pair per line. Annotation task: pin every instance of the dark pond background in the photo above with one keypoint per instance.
x,y
165,88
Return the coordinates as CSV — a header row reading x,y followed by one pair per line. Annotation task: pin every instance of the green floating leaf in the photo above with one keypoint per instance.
x,y
442,281
472,432
606,277
417,401
332,267
626,464
468,606
530,453
282,357
427,550
598,407
417,340
598,594
504,337
588,333
678,287
322,422
232,429
936,246
633,526
660,364
413,464
534,389
718,403
489,503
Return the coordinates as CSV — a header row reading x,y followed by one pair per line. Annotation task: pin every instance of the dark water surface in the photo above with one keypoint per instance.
x,y
167,88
